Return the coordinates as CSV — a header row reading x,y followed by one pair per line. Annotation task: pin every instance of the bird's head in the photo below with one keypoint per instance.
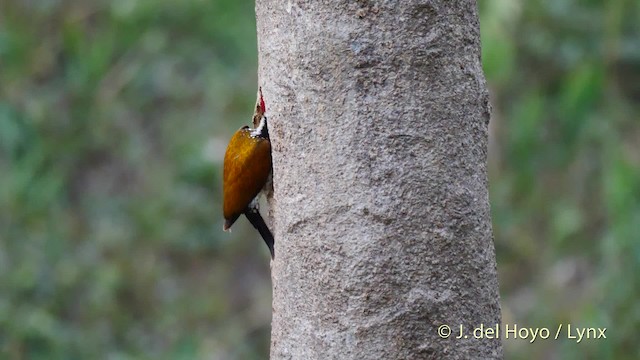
x,y
260,109
259,119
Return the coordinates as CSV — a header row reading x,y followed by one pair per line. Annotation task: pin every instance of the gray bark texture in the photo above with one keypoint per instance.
x,y
378,116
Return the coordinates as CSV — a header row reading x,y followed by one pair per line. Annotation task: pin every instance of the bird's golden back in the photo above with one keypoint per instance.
x,y
247,164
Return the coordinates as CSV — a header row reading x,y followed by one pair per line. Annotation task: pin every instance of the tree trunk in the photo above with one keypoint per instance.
x,y
378,114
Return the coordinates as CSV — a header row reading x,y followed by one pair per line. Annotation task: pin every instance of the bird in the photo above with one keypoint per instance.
x,y
246,173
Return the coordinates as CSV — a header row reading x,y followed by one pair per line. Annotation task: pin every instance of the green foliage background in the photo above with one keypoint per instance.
x,y
114,116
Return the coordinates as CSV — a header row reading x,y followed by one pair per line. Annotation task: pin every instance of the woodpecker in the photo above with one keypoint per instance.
x,y
247,169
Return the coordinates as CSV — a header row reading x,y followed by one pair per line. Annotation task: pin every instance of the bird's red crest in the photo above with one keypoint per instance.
x,y
262,106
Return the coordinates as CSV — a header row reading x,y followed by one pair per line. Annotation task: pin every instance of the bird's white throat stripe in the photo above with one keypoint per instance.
x,y
257,131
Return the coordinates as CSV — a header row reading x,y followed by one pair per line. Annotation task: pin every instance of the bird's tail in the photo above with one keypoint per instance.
x,y
256,220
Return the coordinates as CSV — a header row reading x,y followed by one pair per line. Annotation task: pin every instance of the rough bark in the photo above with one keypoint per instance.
x,y
378,115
